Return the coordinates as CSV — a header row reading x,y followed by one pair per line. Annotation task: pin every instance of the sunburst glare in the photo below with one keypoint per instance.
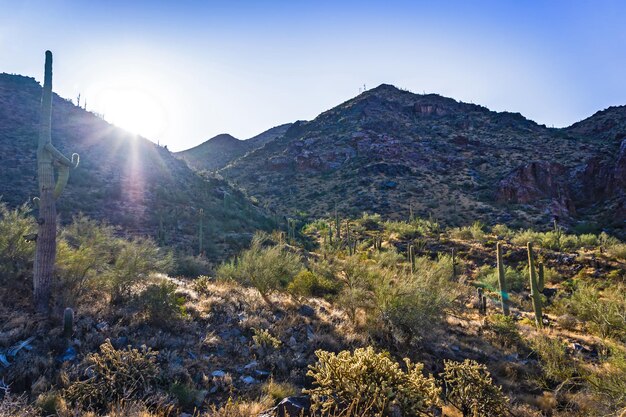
x,y
133,109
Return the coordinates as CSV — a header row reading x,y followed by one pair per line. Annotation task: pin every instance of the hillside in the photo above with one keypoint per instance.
x,y
126,180
220,150
387,150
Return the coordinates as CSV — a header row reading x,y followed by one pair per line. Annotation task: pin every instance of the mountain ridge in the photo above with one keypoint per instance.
x,y
456,161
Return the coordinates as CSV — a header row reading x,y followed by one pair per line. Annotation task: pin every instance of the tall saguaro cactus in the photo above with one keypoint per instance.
x,y
504,295
48,158
534,287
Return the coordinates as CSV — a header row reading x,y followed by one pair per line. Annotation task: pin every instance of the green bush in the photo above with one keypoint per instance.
x,y
86,250
602,312
556,365
265,268
309,284
488,277
134,262
161,303
114,375
16,253
618,251
191,266
413,304
469,388
370,383
608,379
504,328
474,232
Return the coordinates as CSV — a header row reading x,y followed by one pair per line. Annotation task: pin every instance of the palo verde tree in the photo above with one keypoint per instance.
x,y
48,158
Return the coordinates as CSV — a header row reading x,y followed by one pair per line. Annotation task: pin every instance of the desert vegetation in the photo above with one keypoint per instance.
x,y
381,318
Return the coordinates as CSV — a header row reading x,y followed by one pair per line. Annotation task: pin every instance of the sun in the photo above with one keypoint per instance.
x,y
133,109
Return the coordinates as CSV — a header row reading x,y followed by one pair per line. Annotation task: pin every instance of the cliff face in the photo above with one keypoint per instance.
x,y
124,179
387,149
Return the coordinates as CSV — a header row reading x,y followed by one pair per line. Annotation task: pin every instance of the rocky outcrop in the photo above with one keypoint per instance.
x,y
538,181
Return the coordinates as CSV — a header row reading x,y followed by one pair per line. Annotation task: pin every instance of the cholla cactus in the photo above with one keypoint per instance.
x,y
48,158
470,389
369,382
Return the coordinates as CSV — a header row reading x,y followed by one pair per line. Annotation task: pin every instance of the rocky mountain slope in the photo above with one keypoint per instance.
x,y
220,150
389,149
124,179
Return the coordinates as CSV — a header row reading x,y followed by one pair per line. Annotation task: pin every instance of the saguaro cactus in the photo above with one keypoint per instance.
x,y
48,158
68,323
534,287
200,232
540,273
504,295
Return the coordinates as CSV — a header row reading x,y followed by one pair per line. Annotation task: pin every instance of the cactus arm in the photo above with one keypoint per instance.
x,y
60,158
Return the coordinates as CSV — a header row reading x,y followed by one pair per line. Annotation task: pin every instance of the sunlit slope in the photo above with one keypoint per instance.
x,y
387,150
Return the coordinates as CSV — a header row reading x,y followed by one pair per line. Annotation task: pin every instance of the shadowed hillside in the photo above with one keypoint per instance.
x,y
124,179
222,149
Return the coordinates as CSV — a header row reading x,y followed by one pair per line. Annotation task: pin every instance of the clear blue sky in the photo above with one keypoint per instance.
x,y
207,67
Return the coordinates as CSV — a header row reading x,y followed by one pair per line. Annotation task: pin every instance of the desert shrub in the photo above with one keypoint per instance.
x,y
522,237
414,303
504,329
388,258
370,383
474,232
309,284
202,285
161,303
85,251
185,394
191,266
602,312
502,231
402,229
134,262
265,268
608,379
618,251
488,277
263,338
16,406
427,227
588,241
556,365
469,388
113,375
16,253
370,221
356,279
279,390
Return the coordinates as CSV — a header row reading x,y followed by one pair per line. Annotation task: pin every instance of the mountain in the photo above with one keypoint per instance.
x,y
388,149
220,150
122,178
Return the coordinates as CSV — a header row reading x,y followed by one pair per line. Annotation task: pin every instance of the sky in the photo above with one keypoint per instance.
x,y
180,72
